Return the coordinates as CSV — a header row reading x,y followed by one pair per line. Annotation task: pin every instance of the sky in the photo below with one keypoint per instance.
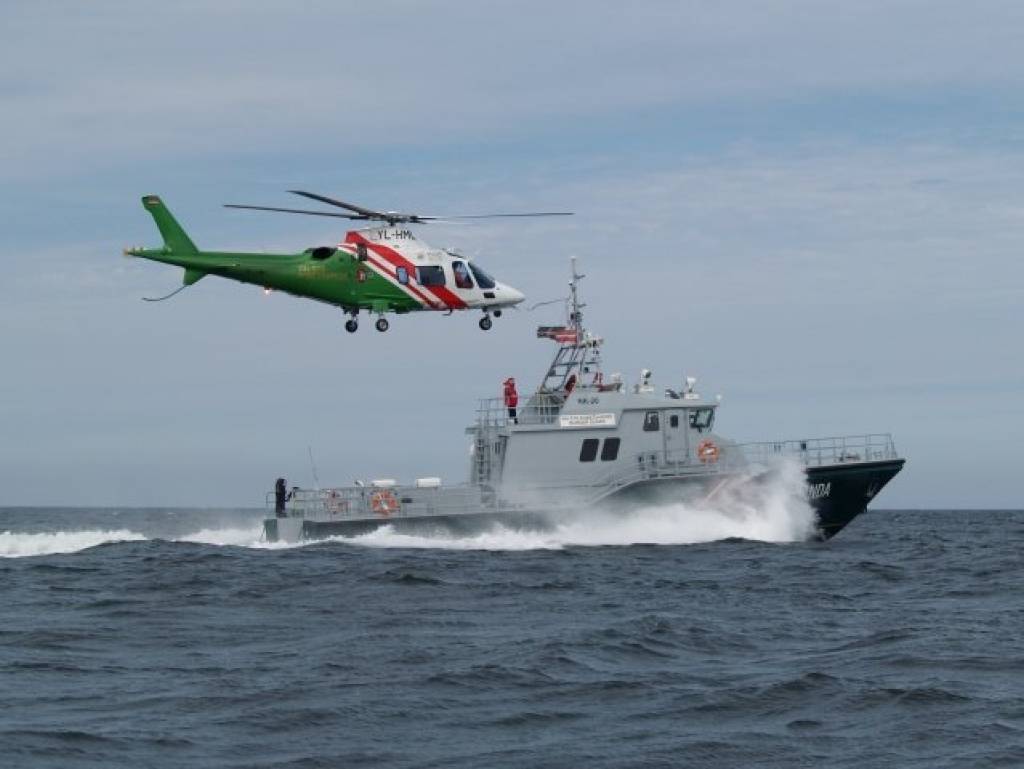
x,y
817,209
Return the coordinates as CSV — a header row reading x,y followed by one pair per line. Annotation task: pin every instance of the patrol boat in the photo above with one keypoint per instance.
x,y
583,441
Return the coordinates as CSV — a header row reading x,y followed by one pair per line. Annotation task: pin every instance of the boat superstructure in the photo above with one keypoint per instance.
x,y
583,439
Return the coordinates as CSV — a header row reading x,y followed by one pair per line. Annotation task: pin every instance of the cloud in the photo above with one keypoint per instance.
x,y
108,82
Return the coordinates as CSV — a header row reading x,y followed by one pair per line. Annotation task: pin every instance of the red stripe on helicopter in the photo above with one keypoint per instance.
x,y
385,270
417,294
447,298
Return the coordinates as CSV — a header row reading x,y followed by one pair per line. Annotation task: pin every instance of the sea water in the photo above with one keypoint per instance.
x,y
669,637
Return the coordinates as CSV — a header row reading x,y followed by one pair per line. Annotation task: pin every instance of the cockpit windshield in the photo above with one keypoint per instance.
x,y
482,278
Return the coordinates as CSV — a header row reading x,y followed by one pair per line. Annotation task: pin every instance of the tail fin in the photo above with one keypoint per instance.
x,y
174,236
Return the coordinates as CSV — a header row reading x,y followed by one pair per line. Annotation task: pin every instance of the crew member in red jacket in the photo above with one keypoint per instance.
x,y
511,399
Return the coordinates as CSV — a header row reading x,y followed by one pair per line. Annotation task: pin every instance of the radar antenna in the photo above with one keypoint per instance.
x,y
575,305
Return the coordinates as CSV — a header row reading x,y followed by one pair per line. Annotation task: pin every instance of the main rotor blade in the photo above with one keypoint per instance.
x,y
496,216
340,203
297,211
401,217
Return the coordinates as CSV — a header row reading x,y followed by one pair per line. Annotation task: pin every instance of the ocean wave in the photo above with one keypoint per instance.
x,y
20,544
17,544
775,510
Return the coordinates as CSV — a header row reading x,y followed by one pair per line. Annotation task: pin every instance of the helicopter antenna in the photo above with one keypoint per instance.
x,y
533,307
161,298
361,213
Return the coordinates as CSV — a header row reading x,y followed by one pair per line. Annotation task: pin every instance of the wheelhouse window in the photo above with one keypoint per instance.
x,y
402,274
588,451
430,276
482,278
651,422
610,450
461,273
702,419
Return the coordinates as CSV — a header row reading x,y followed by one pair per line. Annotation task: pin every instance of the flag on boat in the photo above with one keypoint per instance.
x,y
561,334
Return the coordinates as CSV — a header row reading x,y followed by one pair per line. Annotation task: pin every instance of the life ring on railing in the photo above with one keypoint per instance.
x,y
707,451
335,503
384,503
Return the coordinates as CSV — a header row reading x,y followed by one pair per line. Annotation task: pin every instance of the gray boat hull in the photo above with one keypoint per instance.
x,y
838,493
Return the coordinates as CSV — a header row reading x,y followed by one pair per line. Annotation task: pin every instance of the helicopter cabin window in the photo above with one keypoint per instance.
x,y
482,278
651,422
361,253
321,253
403,275
461,272
588,451
701,419
430,276
610,450
673,420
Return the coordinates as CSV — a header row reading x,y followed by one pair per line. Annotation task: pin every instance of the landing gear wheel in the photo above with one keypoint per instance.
x,y
382,324
486,323
497,313
351,326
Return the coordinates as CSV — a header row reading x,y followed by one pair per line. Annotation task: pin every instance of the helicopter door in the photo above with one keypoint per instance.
x,y
676,434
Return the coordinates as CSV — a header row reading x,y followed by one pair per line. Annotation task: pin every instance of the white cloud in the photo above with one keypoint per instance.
x,y
105,82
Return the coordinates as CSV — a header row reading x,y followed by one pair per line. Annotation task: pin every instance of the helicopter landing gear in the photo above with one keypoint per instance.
x,y
382,324
497,313
486,323
351,325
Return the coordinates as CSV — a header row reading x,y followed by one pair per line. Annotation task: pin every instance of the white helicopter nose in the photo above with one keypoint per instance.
x,y
512,296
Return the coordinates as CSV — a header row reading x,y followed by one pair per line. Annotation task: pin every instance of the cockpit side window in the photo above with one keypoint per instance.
x,y
482,278
702,419
461,272
430,276
651,422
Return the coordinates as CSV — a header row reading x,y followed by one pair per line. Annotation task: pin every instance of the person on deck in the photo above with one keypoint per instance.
x,y
511,399
280,496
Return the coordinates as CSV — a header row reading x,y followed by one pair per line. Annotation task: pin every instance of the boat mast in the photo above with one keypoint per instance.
x,y
575,306
578,353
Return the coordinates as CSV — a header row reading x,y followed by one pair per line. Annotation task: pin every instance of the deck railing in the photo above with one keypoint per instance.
x,y
812,452
492,412
362,502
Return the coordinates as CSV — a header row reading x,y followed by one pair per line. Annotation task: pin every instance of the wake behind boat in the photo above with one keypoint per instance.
x,y
581,442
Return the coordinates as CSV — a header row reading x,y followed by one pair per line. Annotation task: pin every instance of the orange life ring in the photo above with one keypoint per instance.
x,y
384,503
707,451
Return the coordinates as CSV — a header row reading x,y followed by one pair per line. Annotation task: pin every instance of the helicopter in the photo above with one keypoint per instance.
x,y
380,269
